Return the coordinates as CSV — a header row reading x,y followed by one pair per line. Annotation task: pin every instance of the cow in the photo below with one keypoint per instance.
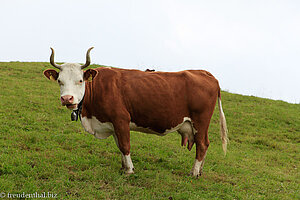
x,y
111,101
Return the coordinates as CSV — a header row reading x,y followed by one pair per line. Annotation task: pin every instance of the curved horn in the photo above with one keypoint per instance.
x,y
88,59
52,60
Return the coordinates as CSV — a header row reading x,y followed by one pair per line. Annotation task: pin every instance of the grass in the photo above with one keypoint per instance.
x,y
41,150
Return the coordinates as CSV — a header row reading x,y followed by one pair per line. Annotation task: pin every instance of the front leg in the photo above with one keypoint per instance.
x,y
122,138
127,164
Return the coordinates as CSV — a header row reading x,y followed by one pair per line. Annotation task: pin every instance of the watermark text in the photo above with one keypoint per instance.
x,y
36,195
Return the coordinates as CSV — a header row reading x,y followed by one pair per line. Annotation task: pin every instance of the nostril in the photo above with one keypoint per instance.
x,y
67,99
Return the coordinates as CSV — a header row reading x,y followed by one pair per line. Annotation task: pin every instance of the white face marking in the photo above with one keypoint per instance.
x,y
98,129
71,81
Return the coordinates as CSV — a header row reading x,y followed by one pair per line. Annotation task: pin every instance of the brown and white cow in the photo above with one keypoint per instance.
x,y
114,101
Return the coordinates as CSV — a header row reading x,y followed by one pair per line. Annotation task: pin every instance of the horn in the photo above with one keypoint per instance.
x,y
52,60
88,59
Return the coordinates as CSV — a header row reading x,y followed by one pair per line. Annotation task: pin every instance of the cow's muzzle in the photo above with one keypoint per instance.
x,y
68,101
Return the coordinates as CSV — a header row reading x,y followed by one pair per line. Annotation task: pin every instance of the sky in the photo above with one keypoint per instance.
x,y
251,47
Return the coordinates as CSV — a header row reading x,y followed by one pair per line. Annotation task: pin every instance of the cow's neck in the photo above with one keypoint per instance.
x,y
86,100
77,113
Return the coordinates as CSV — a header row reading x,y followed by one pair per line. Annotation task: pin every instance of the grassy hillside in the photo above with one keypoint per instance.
x,y
41,150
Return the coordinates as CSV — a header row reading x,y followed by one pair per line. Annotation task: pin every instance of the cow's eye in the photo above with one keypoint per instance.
x,y
80,81
59,82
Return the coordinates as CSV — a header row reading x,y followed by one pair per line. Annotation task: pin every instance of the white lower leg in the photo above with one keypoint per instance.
x,y
128,165
196,168
126,160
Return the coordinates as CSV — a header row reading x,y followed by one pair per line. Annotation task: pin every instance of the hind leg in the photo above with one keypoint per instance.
x,y
202,164
201,140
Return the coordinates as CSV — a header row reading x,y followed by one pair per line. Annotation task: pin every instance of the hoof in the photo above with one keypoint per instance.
x,y
194,174
201,172
127,171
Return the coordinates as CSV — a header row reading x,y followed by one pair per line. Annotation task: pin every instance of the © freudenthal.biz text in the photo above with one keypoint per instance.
x,y
35,195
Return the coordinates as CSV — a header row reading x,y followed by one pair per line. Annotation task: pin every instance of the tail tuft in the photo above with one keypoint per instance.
x,y
223,126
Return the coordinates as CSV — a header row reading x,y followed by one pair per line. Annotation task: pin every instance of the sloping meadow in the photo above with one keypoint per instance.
x,y
43,152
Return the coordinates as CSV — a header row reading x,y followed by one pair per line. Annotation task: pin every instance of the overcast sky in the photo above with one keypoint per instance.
x,y
252,47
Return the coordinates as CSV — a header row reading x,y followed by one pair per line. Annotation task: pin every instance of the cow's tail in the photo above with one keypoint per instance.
x,y
223,125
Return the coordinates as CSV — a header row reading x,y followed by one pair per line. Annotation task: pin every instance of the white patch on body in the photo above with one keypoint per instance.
x,y
103,130
185,126
98,129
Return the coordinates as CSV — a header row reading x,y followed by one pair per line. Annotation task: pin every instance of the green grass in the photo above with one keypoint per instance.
x,y
41,150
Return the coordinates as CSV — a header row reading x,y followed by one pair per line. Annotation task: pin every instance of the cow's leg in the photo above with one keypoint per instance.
x,y
122,138
202,164
201,139
122,157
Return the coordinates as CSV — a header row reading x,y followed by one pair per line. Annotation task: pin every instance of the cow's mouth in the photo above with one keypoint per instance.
x,y
71,106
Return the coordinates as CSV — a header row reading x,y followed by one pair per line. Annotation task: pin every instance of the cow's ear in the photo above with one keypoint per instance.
x,y
89,74
51,74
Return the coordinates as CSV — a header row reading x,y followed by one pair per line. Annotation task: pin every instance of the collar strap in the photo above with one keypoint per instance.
x,y
76,113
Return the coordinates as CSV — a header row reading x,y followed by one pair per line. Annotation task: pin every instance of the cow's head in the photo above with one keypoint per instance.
x,y
71,79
